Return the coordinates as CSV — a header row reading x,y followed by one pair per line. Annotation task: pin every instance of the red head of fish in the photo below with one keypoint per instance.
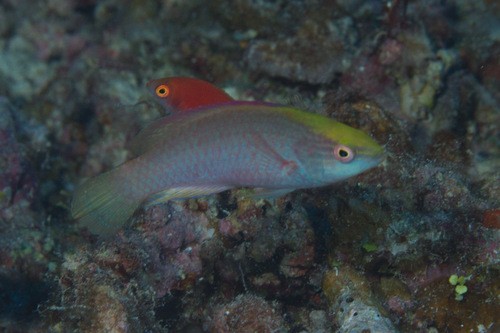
x,y
179,94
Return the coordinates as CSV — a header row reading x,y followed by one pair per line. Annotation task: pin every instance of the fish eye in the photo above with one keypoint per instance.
x,y
162,90
343,153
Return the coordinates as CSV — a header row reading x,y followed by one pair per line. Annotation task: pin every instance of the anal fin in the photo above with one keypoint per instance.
x,y
265,193
183,192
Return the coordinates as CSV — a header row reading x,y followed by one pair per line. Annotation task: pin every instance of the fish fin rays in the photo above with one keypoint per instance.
x,y
156,132
100,205
149,136
287,167
183,192
266,193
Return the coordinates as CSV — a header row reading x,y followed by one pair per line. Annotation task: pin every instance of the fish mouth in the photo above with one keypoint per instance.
x,y
379,159
372,155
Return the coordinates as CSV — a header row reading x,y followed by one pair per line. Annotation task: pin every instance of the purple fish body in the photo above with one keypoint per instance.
x,y
222,147
228,148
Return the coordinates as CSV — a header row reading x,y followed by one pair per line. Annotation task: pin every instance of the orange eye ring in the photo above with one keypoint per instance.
x,y
162,91
343,153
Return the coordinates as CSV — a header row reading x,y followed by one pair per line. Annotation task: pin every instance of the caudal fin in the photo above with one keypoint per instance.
x,y
100,204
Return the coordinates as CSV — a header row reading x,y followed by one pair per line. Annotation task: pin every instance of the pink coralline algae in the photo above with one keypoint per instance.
x,y
15,181
25,248
247,313
174,258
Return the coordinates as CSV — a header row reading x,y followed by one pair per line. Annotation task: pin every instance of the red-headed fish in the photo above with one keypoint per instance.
x,y
178,94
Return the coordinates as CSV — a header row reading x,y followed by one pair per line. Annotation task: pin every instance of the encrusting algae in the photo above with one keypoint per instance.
x,y
207,150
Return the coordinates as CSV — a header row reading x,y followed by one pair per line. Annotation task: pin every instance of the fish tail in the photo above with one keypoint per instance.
x,y
101,205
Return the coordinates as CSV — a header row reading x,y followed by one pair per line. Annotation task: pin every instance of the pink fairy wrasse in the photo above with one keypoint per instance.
x,y
178,94
274,148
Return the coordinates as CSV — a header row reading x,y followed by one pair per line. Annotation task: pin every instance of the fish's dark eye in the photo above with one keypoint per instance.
x,y
162,91
343,153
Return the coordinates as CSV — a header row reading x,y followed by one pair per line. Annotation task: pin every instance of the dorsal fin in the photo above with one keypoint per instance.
x,y
153,133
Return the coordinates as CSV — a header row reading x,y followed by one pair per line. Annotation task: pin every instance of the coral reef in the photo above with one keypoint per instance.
x,y
379,252
353,304
246,313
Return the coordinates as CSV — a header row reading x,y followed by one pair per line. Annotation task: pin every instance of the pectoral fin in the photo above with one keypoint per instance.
x,y
287,167
183,193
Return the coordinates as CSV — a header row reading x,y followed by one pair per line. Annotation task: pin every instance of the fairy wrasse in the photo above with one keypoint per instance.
x,y
274,148
178,94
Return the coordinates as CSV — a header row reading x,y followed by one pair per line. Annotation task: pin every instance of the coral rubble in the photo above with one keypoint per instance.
x,y
375,253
